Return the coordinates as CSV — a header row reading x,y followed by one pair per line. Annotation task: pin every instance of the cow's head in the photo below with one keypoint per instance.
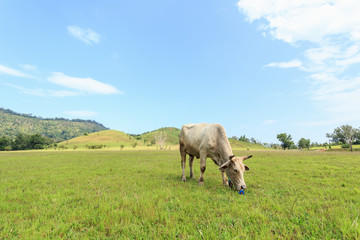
x,y
235,169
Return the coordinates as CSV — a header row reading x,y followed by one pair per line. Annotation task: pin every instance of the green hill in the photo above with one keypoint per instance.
x,y
107,139
114,139
171,135
60,129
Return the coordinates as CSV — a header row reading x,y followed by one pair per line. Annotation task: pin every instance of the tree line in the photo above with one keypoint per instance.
x,y
25,142
29,115
345,135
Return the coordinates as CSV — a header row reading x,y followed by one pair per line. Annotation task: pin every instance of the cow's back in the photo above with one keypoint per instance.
x,y
202,136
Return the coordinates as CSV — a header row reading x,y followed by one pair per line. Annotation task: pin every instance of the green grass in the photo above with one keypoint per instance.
x,y
139,195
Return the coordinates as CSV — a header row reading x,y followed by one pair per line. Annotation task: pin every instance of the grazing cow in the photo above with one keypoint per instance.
x,y
206,140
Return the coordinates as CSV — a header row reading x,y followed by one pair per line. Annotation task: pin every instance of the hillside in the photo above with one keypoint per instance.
x,y
116,139
109,138
171,135
12,124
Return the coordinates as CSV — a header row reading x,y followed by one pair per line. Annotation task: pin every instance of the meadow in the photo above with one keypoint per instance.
x,y
131,194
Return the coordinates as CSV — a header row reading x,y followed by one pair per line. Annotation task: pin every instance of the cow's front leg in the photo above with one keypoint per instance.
x,y
224,179
183,162
202,168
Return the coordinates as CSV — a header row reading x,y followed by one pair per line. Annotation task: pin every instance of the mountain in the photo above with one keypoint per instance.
x,y
60,129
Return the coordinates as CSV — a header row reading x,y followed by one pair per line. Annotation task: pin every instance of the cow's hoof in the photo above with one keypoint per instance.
x,y
201,183
183,179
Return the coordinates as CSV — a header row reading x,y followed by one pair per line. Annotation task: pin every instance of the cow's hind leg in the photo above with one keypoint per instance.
x,y
202,168
191,160
183,162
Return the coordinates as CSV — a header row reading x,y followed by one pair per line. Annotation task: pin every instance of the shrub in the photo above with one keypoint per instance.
x,y
95,146
345,146
7,148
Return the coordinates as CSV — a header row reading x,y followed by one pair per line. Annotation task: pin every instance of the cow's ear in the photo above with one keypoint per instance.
x,y
246,168
225,166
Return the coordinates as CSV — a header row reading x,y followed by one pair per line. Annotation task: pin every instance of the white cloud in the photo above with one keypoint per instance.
x,y
304,20
291,64
13,72
28,67
44,92
87,36
83,85
332,29
269,122
79,86
81,113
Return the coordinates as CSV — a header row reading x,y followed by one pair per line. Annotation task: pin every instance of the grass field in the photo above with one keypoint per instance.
x,y
139,195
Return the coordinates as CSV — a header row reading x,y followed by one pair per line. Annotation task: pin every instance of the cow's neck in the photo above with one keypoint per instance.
x,y
224,156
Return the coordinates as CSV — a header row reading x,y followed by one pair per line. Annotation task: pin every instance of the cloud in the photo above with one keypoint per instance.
x,y
28,67
87,36
44,92
291,64
81,113
83,85
329,33
13,72
306,20
269,122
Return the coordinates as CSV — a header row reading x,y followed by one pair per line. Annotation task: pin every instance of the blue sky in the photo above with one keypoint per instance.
x,y
258,67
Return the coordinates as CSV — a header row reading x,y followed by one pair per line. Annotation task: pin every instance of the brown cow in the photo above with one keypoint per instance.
x,y
206,140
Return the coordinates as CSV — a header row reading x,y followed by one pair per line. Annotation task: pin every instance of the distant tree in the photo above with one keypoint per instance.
x,y
285,140
122,146
21,142
160,139
345,134
244,139
4,142
275,146
36,141
304,143
134,145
